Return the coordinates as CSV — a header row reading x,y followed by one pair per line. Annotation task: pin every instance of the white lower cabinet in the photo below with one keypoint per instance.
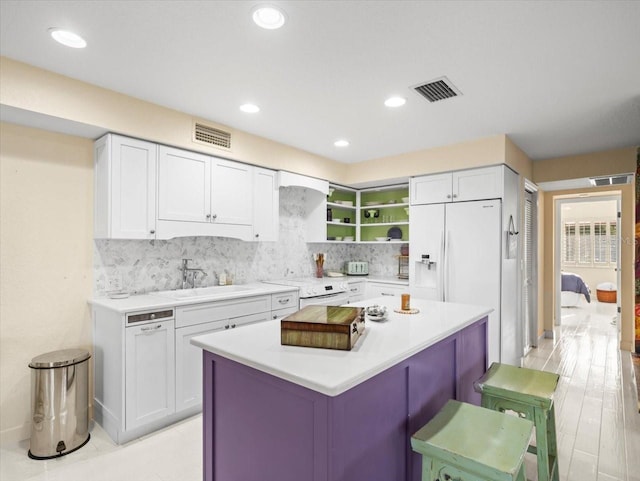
x,y
149,365
189,364
147,374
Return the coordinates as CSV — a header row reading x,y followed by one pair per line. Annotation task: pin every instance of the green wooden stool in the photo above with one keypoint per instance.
x,y
469,443
529,393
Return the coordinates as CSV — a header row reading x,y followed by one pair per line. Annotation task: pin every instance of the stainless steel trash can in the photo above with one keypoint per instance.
x,y
59,403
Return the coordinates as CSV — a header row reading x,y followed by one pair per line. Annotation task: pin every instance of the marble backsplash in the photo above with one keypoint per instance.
x,y
139,266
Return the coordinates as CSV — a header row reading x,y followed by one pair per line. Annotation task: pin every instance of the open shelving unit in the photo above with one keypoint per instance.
x,y
371,213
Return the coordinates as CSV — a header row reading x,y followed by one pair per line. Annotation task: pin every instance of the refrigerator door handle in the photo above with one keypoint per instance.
x,y
440,269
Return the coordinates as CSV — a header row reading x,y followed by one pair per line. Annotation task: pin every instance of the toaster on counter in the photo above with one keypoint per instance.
x,y
356,268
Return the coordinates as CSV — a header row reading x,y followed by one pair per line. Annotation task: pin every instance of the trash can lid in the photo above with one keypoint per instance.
x,y
64,357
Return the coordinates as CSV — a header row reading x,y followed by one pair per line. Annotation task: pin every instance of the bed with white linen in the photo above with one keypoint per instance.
x,y
573,289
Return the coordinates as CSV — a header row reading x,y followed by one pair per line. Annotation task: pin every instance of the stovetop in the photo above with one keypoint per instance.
x,y
313,286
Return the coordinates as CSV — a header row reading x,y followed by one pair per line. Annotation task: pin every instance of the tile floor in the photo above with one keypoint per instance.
x,y
598,425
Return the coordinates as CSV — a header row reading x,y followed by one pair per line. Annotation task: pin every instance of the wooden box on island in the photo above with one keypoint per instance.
x,y
328,327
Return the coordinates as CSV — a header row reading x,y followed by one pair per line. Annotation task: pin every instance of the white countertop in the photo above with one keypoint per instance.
x,y
150,300
333,372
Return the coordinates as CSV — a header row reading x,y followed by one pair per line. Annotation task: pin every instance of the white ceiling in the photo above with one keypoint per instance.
x,y
559,78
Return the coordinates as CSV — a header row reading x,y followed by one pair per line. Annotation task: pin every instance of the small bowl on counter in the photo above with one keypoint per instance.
x,y
376,313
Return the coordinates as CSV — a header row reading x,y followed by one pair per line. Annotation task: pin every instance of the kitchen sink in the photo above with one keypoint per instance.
x,y
202,292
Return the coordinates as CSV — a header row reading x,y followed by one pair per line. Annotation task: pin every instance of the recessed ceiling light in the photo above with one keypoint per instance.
x,y
341,143
395,102
67,38
269,17
250,108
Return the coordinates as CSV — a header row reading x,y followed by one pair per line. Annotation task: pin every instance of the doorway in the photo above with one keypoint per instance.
x,y
587,252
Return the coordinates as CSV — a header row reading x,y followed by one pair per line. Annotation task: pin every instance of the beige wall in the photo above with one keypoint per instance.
x,y
618,161
46,249
474,153
44,92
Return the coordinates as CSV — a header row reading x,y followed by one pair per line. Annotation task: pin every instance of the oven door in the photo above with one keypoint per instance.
x,y
336,299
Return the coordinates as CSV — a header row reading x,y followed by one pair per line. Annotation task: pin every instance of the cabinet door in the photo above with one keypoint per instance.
x,y
431,189
184,185
125,188
189,364
478,184
249,319
266,205
149,373
231,192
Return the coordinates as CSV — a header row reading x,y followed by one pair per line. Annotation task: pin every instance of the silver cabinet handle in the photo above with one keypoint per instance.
x,y
257,235
448,196
151,328
354,289
152,231
227,326
455,195
214,216
387,294
233,325
208,216
275,316
283,301
152,316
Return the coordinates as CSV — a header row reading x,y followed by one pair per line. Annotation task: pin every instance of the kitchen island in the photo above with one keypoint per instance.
x,y
283,413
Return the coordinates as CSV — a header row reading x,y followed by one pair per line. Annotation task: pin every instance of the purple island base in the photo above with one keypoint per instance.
x,y
258,427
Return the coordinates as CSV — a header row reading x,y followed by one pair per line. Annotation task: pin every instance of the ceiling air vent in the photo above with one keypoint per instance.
x,y
438,89
206,134
611,180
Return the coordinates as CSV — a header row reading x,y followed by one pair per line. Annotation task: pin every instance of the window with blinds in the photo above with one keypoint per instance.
x,y
585,244
569,243
590,244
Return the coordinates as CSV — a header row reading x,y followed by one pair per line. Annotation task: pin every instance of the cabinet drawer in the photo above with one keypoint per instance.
x,y
214,311
356,289
250,319
383,290
284,301
283,312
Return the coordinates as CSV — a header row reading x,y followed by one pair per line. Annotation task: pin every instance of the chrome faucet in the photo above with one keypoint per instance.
x,y
185,274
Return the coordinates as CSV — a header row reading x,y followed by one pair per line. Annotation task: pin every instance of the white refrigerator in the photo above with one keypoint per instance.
x,y
455,256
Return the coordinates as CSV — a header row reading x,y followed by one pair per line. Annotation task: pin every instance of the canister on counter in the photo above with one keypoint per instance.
x,y
406,302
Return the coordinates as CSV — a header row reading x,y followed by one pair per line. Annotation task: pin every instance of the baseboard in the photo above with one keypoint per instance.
x,y
547,335
16,434
627,346
12,436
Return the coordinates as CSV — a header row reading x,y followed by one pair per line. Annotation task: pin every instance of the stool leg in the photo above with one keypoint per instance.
x,y
428,473
553,443
540,416
521,476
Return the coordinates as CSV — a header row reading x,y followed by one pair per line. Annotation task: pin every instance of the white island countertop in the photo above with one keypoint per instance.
x,y
333,372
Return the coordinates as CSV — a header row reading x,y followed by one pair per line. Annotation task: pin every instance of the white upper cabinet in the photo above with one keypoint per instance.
x,y
200,195
431,189
266,205
125,188
184,186
231,192
478,184
463,185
